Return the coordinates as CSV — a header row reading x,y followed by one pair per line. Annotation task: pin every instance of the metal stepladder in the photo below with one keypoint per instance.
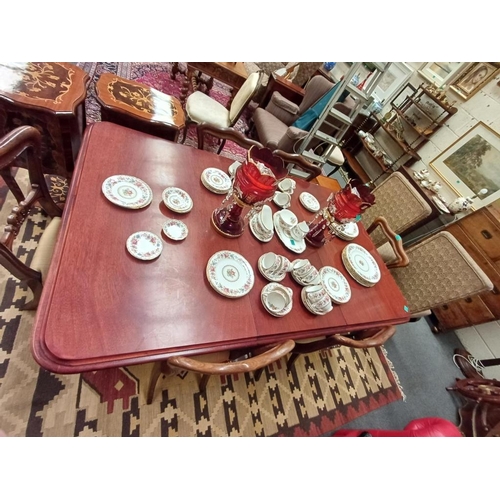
x,y
335,122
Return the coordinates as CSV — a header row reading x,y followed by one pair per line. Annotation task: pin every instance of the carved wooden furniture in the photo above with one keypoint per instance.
x,y
204,129
11,147
51,98
399,203
127,311
201,108
358,340
440,271
140,107
479,233
218,363
413,122
232,74
310,171
392,252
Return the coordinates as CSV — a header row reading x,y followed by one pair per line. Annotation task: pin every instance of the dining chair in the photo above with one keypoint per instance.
x,y
400,203
202,108
306,170
218,363
224,133
12,146
374,337
439,271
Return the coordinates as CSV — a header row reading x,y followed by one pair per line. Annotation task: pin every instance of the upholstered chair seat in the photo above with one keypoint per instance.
x,y
202,108
273,129
45,249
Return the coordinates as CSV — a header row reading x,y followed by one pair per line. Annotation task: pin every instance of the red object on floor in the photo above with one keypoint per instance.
x,y
421,427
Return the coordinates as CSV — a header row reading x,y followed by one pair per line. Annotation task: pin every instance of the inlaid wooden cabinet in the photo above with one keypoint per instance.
x,y
479,233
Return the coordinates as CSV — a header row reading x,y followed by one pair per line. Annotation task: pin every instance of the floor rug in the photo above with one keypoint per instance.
x,y
158,76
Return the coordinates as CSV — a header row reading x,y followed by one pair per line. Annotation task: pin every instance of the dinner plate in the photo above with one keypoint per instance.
x,y
336,284
286,239
144,245
230,274
347,231
175,229
309,202
177,200
127,191
361,265
216,180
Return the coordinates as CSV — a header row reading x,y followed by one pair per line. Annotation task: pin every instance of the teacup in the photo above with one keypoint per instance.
x,y
259,228
299,231
287,185
287,219
301,267
282,199
318,298
276,301
275,264
266,218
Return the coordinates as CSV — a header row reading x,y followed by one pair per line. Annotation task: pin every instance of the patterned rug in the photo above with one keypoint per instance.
x,y
321,393
157,75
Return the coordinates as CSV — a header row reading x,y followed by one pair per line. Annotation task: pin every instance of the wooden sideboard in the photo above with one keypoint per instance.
x,y
479,233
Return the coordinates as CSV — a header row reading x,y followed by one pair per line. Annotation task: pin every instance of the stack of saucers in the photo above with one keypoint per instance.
x,y
277,299
361,265
216,180
347,231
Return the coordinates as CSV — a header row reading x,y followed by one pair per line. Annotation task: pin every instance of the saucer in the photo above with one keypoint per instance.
x,y
309,202
273,309
347,231
310,307
216,180
177,200
144,245
269,276
286,239
175,229
264,238
336,284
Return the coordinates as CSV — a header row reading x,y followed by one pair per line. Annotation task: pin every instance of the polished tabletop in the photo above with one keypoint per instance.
x,y
102,308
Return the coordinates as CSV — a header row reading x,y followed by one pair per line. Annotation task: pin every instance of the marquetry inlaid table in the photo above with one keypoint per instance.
x,y
140,107
103,308
51,97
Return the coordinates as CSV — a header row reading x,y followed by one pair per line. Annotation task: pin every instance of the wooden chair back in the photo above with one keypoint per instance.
x,y
224,134
299,161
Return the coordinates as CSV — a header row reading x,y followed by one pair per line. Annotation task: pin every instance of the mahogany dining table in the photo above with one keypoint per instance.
x,y
102,308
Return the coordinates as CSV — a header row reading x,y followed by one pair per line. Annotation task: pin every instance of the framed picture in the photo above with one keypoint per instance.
x,y
392,80
471,163
473,78
441,73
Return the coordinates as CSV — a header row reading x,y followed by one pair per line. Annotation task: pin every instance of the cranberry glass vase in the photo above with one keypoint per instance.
x,y
344,206
255,182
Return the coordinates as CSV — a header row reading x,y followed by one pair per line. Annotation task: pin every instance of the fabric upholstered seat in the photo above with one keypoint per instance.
x,y
45,249
273,130
202,108
440,271
399,203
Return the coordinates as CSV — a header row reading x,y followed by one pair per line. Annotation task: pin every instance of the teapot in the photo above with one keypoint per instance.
x,y
460,204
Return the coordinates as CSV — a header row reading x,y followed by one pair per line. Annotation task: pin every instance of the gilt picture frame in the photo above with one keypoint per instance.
x,y
471,163
473,79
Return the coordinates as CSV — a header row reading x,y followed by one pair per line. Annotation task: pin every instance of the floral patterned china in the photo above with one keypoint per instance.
x,y
309,202
277,299
230,274
175,229
177,200
127,191
259,231
311,307
144,245
361,265
336,284
283,233
347,231
216,180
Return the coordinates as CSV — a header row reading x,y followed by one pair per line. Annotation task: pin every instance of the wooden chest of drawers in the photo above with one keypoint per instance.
x,y
479,233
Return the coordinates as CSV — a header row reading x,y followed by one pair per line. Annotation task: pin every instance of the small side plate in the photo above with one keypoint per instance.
x,y
175,229
144,245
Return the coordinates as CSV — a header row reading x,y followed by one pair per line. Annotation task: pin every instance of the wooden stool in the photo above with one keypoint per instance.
x,y
139,107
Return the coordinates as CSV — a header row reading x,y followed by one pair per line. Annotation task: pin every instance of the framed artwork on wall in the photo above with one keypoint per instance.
x,y
441,73
473,79
396,75
471,163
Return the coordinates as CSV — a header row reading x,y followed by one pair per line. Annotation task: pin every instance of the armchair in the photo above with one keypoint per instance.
x,y
273,124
